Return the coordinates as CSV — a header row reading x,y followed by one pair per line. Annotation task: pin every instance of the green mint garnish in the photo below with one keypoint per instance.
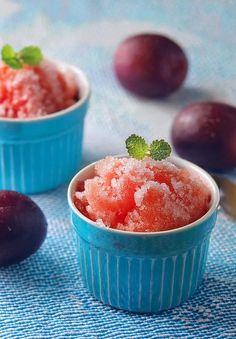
x,y
9,57
29,55
159,149
136,146
139,149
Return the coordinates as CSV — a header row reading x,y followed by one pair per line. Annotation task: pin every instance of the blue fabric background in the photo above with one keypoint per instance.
x,y
43,297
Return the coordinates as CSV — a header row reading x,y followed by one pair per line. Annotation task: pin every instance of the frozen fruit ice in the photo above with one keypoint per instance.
x,y
33,92
142,195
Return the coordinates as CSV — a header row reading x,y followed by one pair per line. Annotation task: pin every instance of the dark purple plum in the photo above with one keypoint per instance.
x,y
205,133
23,227
150,65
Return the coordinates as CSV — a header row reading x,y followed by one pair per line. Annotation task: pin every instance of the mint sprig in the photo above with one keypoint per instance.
x,y
159,149
136,146
9,57
30,55
139,149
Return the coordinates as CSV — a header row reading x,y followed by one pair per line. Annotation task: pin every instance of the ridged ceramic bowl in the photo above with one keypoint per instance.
x,y
143,272
37,155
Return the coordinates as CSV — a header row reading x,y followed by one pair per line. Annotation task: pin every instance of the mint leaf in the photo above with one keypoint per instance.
x,y
136,147
9,57
8,52
139,149
13,63
159,149
30,55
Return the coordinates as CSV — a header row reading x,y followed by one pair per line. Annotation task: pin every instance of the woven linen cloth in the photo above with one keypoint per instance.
x,y
44,297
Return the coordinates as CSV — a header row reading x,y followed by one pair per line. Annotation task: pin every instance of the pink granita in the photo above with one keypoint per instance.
x,y
142,195
33,92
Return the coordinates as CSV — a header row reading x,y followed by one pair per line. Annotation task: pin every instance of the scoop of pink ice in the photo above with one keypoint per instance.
x,y
33,92
142,195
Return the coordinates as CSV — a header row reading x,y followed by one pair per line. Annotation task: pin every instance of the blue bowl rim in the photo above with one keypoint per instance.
x,y
82,80
215,199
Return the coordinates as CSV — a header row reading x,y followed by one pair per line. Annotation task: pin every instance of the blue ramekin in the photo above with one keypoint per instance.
x,y
37,155
143,272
